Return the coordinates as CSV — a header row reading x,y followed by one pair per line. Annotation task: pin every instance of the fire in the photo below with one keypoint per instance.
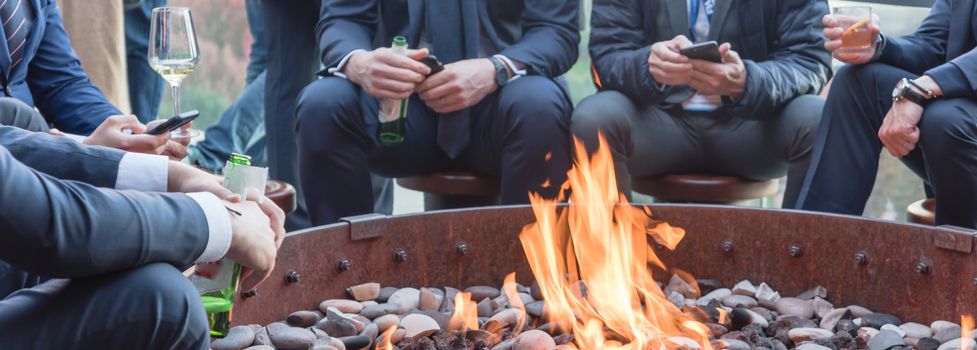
x,y
465,316
600,244
966,327
509,288
384,342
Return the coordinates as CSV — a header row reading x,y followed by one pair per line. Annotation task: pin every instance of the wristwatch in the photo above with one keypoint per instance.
x,y
905,89
501,74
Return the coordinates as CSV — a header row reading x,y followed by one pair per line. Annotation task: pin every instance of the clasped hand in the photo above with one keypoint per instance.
x,y
670,67
125,132
386,75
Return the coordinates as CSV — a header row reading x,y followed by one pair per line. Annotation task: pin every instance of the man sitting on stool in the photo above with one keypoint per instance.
x,y
916,96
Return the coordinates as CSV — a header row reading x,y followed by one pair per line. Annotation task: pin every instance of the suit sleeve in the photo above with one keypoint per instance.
x,y
63,158
797,65
345,26
550,37
60,86
923,49
67,229
619,52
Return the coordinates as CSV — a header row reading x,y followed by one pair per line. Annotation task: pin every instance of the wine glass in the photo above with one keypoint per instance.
x,y
173,51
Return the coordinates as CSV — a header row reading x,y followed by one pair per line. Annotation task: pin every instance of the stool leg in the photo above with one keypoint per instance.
x,y
441,202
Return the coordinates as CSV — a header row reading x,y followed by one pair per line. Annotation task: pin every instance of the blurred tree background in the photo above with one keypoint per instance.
x,y
225,42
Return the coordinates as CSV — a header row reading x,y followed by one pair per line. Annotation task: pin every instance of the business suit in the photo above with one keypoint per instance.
x,y
124,291
512,131
766,133
845,161
53,79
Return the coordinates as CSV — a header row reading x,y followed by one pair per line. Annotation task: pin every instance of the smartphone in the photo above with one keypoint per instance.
x,y
708,51
174,123
431,61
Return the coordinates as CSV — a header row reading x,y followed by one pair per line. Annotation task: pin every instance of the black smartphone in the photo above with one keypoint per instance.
x,y
708,51
431,61
174,123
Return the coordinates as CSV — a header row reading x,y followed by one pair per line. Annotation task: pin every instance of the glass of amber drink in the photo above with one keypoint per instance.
x,y
855,20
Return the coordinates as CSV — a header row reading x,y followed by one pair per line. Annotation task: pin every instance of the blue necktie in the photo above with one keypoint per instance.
x,y
16,16
445,24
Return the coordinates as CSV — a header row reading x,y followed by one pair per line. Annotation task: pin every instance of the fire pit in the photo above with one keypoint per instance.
x,y
914,272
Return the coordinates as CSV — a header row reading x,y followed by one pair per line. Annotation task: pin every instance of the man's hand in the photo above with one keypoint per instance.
x,y
257,234
724,79
112,133
667,65
386,75
185,178
460,85
833,33
900,132
176,147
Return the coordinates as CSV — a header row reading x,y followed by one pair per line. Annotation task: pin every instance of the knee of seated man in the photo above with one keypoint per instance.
x,y
947,124
325,100
175,302
858,74
804,113
606,112
531,99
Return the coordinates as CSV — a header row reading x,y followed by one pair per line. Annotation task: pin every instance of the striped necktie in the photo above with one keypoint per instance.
x,y
16,16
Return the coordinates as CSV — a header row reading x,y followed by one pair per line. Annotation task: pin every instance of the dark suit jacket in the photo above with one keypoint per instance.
x,y
780,42
63,158
54,80
66,229
943,47
543,34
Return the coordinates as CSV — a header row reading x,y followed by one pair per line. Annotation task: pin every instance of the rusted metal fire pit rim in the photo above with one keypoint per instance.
x,y
375,225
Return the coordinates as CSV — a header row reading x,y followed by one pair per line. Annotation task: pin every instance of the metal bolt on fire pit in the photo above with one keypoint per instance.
x,y
861,258
923,267
400,255
292,277
728,246
463,249
795,251
249,293
344,265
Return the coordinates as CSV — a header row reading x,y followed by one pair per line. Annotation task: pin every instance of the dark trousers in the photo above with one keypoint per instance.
x,y
846,156
148,307
519,134
145,85
650,141
292,64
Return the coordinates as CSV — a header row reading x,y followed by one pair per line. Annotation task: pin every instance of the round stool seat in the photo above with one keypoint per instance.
x,y
452,183
704,188
922,211
282,193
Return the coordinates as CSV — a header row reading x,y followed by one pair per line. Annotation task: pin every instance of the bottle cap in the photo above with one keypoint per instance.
x,y
240,159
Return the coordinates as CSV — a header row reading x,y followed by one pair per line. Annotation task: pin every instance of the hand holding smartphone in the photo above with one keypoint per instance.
x,y
431,61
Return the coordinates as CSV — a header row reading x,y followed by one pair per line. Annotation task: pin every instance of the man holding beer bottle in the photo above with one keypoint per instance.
x,y
915,96
495,109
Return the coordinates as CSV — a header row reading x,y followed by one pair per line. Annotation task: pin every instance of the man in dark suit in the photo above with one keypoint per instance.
x,y
495,109
39,67
120,252
916,96
750,115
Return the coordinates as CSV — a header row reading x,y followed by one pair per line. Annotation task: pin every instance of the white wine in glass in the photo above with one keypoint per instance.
x,y
173,51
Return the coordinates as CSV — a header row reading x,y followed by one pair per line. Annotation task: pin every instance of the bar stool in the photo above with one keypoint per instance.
x,y
922,211
702,188
454,189
282,194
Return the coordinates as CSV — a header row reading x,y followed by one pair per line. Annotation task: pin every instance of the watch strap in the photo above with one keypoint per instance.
x,y
501,74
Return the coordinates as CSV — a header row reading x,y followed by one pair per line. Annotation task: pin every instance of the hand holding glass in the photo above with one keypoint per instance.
x,y
173,51
855,20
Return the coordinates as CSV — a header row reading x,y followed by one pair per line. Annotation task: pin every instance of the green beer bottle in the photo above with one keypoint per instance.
x,y
219,304
393,113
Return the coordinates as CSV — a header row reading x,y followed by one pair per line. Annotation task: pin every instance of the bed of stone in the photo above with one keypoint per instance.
x,y
755,317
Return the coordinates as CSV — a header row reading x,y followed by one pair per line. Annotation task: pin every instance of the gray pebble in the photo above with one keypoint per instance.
x,y
928,344
958,344
795,307
948,334
878,319
237,338
733,344
809,294
482,292
885,340
385,294
303,318
292,338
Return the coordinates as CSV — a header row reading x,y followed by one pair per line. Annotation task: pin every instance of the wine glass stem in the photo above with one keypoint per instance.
x,y
176,98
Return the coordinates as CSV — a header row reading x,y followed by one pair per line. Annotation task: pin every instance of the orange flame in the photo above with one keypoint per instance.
x,y
509,288
384,342
966,327
603,242
466,313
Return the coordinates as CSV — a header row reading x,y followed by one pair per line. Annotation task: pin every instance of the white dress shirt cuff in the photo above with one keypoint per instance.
x,y
142,172
516,72
338,69
218,225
